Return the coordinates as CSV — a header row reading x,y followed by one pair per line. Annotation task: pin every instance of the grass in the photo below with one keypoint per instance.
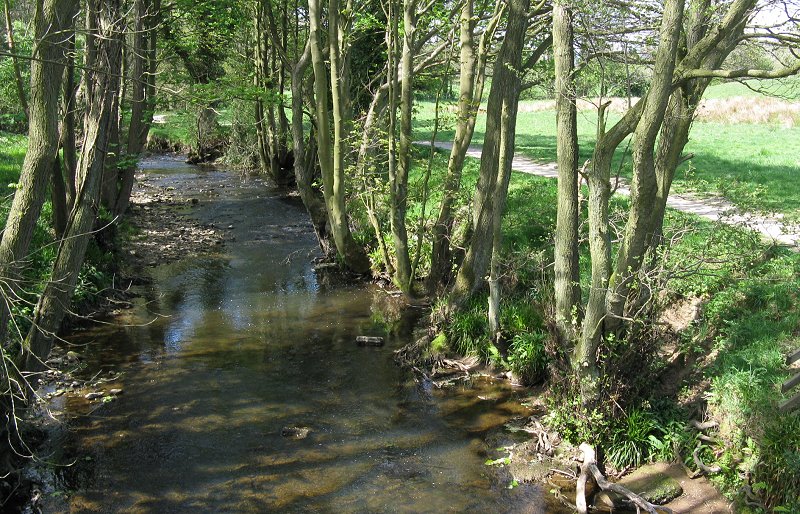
x,y
178,127
12,153
786,88
754,166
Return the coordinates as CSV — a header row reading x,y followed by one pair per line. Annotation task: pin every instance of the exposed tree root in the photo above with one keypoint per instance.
x,y
589,467
703,469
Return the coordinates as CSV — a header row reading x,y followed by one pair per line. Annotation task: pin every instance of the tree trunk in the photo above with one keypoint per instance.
x,y
399,179
143,94
304,168
68,137
103,76
643,186
12,49
331,152
58,198
498,152
51,20
567,278
471,82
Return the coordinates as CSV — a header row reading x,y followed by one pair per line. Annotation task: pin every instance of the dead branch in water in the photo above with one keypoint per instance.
x,y
589,467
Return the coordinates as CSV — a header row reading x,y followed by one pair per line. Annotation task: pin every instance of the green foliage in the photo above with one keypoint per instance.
x,y
178,127
467,330
527,357
635,441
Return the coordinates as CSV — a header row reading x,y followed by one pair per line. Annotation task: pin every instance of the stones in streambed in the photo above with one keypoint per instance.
x,y
370,341
94,395
651,482
295,432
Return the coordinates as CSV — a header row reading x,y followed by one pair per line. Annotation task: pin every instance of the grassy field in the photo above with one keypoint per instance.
x,y
756,166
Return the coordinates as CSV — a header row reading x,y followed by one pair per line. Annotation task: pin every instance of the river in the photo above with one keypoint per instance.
x,y
223,352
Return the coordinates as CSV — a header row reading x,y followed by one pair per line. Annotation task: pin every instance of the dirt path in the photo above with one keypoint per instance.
x,y
715,209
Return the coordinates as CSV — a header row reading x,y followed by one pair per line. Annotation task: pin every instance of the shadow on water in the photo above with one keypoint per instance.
x,y
223,352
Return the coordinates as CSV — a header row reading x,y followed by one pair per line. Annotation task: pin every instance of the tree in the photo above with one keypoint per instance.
x,y
400,158
471,83
692,45
103,66
331,150
567,278
497,155
52,18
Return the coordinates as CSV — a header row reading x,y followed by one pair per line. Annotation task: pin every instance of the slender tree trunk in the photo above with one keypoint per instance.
x,y
51,19
567,278
331,151
643,186
111,176
471,82
492,185
400,172
143,94
260,51
58,198
304,168
68,137
12,48
103,76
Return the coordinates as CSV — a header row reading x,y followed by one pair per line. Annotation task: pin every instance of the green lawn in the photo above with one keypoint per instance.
x,y
755,166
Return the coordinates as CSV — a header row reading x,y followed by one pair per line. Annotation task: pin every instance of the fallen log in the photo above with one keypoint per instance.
x,y
589,468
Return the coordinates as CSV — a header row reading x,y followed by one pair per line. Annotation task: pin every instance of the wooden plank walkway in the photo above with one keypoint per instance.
x,y
715,209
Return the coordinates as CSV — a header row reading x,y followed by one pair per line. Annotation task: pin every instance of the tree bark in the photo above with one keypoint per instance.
x,y
498,152
146,16
51,19
567,279
399,182
103,76
643,186
304,168
471,83
331,151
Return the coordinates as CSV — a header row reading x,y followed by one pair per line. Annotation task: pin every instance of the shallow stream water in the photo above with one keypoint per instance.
x,y
224,351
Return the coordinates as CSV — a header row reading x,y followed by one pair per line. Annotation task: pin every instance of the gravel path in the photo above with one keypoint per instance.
x,y
714,209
